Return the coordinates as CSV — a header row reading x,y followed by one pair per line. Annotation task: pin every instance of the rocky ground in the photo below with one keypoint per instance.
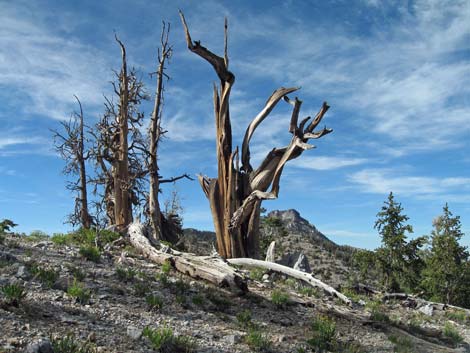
x,y
111,308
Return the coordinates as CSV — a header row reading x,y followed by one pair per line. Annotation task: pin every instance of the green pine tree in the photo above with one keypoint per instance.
x,y
398,261
445,278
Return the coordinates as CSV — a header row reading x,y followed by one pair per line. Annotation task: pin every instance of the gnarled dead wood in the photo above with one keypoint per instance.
x,y
305,277
210,268
236,194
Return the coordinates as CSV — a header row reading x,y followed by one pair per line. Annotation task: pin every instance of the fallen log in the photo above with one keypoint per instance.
x,y
302,276
210,268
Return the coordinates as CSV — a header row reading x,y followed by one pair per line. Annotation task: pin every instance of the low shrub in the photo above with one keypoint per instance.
x,y
323,334
198,300
402,344
279,298
14,293
125,274
451,332
141,288
163,340
91,253
154,302
244,318
166,267
69,344
257,341
78,291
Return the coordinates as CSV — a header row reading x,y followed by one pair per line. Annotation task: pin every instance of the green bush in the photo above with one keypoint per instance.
x,y
166,267
61,239
154,302
76,272
90,252
308,291
457,315
257,341
13,293
163,279
198,300
163,340
451,332
6,225
141,288
47,276
257,273
36,235
69,344
279,298
125,274
402,344
78,291
323,334
221,303
244,318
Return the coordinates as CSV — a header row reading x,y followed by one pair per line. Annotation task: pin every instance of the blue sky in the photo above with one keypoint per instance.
x,y
396,74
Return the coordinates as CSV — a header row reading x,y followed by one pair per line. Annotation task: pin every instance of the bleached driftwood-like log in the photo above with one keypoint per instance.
x,y
306,277
210,268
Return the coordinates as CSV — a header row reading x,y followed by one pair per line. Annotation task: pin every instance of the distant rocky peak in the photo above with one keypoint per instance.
x,y
288,216
295,224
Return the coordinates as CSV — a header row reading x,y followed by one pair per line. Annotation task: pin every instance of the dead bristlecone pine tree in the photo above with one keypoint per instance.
x,y
236,194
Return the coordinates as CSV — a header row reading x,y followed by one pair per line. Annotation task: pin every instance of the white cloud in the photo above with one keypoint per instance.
x,y
382,181
327,163
407,81
48,69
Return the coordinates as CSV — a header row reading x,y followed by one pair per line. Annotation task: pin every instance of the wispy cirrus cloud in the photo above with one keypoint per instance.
x,y
327,163
45,66
382,181
407,81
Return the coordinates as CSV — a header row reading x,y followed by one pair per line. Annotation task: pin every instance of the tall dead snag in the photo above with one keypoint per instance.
x,y
71,147
120,149
236,194
122,206
155,133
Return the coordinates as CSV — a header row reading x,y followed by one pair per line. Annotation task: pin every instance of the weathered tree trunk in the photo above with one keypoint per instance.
x,y
84,214
210,268
71,147
122,207
236,194
155,132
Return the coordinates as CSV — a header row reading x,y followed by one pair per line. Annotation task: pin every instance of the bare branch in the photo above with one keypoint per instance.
x,y
269,106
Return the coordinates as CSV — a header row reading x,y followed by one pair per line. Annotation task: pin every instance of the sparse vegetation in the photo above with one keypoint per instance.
x,y
457,315
451,332
154,302
198,300
47,276
279,298
323,334
125,274
402,344
76,272
257,273
141,288
244,318
90,252
166,267
257,340
163,340
308,291
14,293
37,235
78,291
69,344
